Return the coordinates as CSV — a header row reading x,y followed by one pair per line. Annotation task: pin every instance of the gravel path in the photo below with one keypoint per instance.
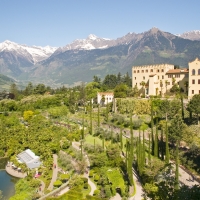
x,y
76,145
42,187
55,172
139,189
116,197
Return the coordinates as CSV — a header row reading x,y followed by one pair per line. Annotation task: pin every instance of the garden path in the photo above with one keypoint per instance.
x,y
63,191
186,178
139,189
42,187
76,145
55,172
116,197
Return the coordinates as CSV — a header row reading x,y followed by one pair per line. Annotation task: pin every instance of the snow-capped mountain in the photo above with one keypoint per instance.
x,y
191,35
91,42
33,53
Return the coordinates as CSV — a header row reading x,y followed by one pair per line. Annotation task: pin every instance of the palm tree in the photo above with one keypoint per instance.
x,y
186,86
161,85
173,80
143,84
166,84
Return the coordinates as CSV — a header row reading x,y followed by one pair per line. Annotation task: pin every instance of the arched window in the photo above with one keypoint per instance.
x,y
198,71
193,72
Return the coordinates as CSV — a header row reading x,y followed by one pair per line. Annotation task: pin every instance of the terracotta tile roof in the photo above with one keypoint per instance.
x,y
106,93
177,71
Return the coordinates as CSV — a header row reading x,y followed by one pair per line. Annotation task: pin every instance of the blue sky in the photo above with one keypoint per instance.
x,y
59,22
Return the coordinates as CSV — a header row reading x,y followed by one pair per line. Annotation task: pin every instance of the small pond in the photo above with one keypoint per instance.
x,y
7,182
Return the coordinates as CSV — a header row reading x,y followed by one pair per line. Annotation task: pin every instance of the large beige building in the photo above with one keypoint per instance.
x,y
158,79
194,78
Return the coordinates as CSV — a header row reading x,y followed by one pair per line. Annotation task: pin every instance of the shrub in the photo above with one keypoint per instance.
x,y
57,183
91,173
96,177
85,186
96,193
85,180
64,177
108,191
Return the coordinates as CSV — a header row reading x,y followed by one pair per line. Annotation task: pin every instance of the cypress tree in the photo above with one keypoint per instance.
x,y
156,140
81,149
121,138
130,162
182,107
103,141
131,152
161,145
98,116
143,150
131,132
107,112
94,145
149,152
91,117
152,135
127,150
111,135
177,167
166,145
82,135
140,154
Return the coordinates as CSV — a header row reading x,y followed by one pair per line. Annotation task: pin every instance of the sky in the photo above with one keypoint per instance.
x,y
59,22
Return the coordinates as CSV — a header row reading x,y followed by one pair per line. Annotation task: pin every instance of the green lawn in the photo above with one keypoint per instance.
x,y
89,139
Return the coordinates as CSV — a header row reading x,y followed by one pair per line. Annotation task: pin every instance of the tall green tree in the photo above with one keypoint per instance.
x,y
14,90
91,124
194,105
176,131
156,140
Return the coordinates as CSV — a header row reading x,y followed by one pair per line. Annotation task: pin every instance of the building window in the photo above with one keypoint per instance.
x,y
186,75
147,70
170,76
193,81
162,77
142,71
162,70
192,91
177,75
198,71
151,70
138,71
168,83
158,70
134,71
135,78
136,84
193,72
158,77
198,81
143,77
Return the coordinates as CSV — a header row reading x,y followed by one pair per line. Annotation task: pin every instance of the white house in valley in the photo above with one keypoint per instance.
x,y
104,98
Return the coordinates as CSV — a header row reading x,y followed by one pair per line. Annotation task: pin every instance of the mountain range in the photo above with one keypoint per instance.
x,y
83,58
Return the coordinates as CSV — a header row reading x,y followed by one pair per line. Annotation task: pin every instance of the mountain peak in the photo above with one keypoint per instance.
x,y
191,35
154,30
92,37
